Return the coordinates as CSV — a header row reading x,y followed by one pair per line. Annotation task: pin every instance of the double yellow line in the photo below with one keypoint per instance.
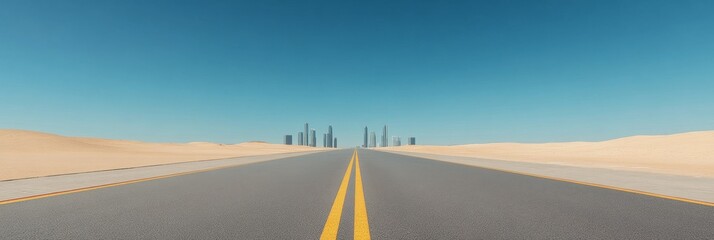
x,y
361,226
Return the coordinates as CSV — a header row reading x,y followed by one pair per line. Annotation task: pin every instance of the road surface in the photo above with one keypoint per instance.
x,y
382,196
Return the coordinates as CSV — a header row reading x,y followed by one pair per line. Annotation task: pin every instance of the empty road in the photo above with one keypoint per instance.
x,y
349,194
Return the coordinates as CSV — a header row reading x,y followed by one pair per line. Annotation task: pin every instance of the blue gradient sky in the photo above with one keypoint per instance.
x,y
446,73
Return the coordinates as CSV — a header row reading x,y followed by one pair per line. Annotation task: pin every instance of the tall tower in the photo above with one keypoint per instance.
x,y
365,138
288,140
372,140
313,138
324,140
334,145
307,135
301,139
329,136
385,142
412,141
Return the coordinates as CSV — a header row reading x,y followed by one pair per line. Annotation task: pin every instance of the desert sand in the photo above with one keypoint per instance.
x,y
690,154
26,154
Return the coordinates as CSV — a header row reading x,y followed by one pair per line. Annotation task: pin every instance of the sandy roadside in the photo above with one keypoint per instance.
x,y
686,154
26,154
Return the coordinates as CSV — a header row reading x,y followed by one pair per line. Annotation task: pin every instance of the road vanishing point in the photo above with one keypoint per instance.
x,y
353,194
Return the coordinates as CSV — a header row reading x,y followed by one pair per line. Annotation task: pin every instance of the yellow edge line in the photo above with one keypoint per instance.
x,y
45,195
332,224
681,199
361,225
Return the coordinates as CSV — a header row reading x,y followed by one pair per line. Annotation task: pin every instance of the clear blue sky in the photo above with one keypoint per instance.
x,y
445,72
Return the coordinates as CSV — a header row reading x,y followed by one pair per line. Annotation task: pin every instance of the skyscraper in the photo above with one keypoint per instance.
x,y
384,137
324,140
329,136
412,141
288,140
334,144
301,140
372,140
313,138
307,136
365,138
396,141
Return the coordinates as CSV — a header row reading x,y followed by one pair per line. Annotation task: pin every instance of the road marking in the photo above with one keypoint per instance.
x,y
361,227
332,225
651,194
28,198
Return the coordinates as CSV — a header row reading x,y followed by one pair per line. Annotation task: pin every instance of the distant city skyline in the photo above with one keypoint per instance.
x,y
328,138
370,141
457,73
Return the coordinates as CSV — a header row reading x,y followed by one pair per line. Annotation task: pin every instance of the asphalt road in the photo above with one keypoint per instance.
x,y
405,198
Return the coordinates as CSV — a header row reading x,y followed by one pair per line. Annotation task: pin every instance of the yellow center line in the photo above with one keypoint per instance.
x,y
332,224
361,228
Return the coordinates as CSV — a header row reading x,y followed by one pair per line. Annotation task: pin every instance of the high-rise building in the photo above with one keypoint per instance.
x,y
313,138
324,140
334,144
288,140
372,140
329,136
307,136
365,138
396,141
412,141
384,137
301,139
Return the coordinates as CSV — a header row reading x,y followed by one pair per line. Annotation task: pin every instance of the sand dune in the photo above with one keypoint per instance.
x,y
690,154
30,154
